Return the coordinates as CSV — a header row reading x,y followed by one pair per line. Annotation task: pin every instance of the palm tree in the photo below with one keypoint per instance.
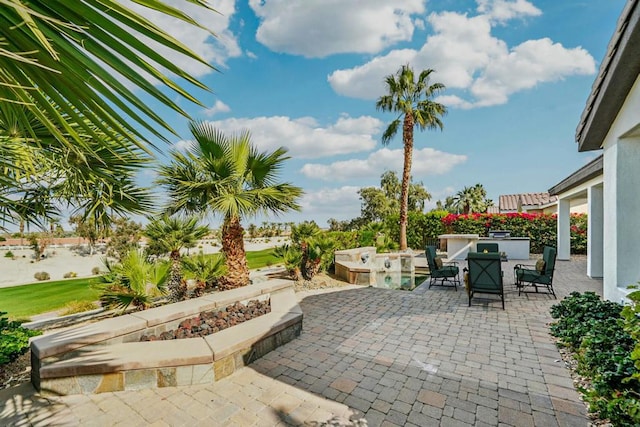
x,y
226,175
472,199
205,269
134,281
63,59
169,235
69,104
412,100
96,179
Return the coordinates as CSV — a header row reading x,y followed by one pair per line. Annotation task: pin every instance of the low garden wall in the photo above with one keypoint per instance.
x,y
108,356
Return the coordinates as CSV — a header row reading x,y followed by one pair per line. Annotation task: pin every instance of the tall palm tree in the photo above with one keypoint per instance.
x,y
412,100
228,176
67,80
170,235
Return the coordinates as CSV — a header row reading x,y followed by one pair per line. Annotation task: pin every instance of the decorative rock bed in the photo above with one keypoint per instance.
x,y
108,355
210,322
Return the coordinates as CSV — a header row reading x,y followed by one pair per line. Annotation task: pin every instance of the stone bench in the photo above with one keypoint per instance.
x,y
108,356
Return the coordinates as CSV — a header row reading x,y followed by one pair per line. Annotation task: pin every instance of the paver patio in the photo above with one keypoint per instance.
x,y
373,356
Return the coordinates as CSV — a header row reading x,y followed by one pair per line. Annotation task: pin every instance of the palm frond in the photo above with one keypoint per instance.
x,y
59,59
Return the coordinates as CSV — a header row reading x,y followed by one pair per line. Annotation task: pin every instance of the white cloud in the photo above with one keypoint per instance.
x,y
340,203
304,138
213,50
183,145
218,107
503,10
317,28
426,161
480,69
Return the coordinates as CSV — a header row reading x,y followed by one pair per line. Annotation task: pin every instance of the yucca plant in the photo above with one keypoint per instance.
x,y
135,281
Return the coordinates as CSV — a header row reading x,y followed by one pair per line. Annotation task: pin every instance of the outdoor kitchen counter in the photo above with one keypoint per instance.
x,y
458,245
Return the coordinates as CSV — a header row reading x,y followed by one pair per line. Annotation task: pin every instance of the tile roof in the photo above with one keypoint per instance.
x,y
511,202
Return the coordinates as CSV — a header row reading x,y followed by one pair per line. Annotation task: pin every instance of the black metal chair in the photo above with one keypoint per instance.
x,y
489,247
529,275
448,273
484,275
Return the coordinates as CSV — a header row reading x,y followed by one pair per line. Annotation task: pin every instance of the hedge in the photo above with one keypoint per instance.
x,y
540,228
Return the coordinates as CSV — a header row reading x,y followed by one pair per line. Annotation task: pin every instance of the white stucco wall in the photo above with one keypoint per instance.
x,y
621,191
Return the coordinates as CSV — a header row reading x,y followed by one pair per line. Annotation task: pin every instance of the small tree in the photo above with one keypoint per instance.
x,y
88,229
169,235
124,237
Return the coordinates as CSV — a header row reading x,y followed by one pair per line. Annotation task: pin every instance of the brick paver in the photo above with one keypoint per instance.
x,y
367,355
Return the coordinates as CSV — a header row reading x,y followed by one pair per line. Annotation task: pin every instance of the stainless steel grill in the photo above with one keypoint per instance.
x,y
499,234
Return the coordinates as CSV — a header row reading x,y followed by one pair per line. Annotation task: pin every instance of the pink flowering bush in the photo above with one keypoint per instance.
x,y
540,228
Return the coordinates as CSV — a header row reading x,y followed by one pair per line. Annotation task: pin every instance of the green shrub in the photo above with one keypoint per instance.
x,y
70,274
602,336
421,227
95,271
576,315
42,275
8,254
14,339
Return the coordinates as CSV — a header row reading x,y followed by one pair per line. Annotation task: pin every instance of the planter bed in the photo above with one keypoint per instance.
x,y
108,356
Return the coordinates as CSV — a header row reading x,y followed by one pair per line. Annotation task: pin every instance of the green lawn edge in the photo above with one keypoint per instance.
x,y
23,301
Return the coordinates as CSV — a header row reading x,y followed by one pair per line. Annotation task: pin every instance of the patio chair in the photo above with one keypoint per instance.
x,y
489,247
446,273
539,275
484,275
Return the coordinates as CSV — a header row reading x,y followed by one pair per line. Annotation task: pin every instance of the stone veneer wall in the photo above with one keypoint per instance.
x,y
105,357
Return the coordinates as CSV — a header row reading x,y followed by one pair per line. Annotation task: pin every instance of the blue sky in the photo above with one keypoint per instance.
x,y
305,74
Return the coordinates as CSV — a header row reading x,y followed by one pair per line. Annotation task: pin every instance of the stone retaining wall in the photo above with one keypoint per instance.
x,y
106,355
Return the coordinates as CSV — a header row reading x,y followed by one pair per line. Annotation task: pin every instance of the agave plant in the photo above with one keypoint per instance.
x,y
134,281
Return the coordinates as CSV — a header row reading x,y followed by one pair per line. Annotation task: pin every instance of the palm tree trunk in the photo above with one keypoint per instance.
x,y
233,250
177,289
407,139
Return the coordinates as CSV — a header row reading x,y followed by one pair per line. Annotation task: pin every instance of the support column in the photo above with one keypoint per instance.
x,y
621,222
595,226
564,230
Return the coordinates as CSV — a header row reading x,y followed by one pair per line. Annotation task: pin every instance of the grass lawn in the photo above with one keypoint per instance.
x,y
24,301
21,302
263,258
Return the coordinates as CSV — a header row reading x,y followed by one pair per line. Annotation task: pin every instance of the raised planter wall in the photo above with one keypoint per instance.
x,y
107,356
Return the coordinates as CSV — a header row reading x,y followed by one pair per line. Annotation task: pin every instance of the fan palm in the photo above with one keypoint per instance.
x,y
96,179
412,100
134,281
472,199
59,59
228,176
70,122
169,235
205,269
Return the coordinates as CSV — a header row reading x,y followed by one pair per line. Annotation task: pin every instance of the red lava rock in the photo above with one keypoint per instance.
x,y
209,322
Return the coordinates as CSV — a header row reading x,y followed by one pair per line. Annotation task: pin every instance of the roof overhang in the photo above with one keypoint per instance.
x,y
618,72
582,175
